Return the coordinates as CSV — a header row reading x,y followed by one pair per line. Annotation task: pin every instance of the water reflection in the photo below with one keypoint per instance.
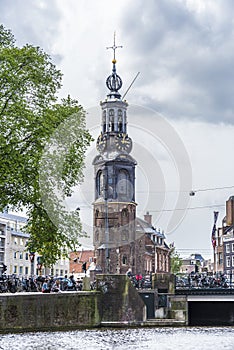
x,y
190,338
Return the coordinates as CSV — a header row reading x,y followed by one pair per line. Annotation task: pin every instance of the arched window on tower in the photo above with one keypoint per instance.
x,y
99,183
124,217
104,121
124,122
124,185
97,236
111,120
120,123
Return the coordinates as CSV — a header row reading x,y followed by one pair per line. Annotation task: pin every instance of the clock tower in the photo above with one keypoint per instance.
x,y
114,207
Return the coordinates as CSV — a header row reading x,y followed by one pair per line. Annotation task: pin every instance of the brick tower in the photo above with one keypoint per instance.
x,y
114,207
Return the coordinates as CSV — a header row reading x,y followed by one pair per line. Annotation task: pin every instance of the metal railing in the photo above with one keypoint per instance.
x,y
204,282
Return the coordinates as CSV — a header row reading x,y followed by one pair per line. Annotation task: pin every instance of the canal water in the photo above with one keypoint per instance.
x,y
186,338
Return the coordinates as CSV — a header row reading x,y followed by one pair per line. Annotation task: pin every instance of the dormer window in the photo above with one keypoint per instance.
x,y
111,112
120,113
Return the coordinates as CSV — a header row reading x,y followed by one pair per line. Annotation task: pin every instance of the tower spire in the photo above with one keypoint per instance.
x,y
114,82
114,47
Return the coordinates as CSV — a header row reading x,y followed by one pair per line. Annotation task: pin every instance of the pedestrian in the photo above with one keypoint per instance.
x,y
56,286
129,273
45,287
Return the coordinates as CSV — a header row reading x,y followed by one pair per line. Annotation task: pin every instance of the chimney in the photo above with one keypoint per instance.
x,y
148,218
230,211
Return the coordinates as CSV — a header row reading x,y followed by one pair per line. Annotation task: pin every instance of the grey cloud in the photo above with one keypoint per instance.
x,y
33,22
169,40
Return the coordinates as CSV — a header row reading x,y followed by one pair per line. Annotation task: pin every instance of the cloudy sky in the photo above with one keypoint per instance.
x,y
181,115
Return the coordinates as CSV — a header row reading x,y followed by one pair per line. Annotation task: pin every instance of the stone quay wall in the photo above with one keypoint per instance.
x,y
116,301
37,311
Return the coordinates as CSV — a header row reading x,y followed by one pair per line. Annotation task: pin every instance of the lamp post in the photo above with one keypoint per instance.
x,y
107,258
32,257
118,261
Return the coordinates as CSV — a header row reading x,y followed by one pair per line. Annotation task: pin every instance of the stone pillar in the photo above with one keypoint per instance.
x,y
86,283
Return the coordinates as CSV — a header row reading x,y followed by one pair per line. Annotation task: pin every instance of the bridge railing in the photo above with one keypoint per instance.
x,y
203,281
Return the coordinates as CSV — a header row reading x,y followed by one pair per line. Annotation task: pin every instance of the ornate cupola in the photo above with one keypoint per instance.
x,y
114,205
113,135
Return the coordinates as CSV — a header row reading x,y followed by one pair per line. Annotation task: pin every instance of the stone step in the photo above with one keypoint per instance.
x,y
155,322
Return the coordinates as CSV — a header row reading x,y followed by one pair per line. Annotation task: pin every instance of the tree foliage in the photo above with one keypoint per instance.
x,y
30,116
175,261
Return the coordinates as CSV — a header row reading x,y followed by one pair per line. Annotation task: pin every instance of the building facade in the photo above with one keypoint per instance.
x,y
12,245
224,249
121,240
14,254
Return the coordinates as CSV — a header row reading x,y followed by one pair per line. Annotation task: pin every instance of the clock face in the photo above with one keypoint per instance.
x,y
123,142
101,143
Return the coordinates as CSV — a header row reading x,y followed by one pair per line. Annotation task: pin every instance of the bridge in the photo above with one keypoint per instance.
x,y
210,298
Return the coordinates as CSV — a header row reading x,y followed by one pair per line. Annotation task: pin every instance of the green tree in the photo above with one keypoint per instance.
x,y
30,175
175,261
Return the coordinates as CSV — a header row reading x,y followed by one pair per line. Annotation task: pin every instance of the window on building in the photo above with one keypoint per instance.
x,y
2,242
124,260
99,183
97,236
232,260
61,272
21,241
15,255
26,270
233,247
26,256
124,235
220,259
221,241
123,182
21,255
15,240
227,248
56,272
21,270
112,123
15,269
228,261
104,121
120,124
120,113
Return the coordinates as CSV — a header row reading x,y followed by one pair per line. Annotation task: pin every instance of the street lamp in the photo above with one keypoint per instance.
x,y
31,257
118,261
107,260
